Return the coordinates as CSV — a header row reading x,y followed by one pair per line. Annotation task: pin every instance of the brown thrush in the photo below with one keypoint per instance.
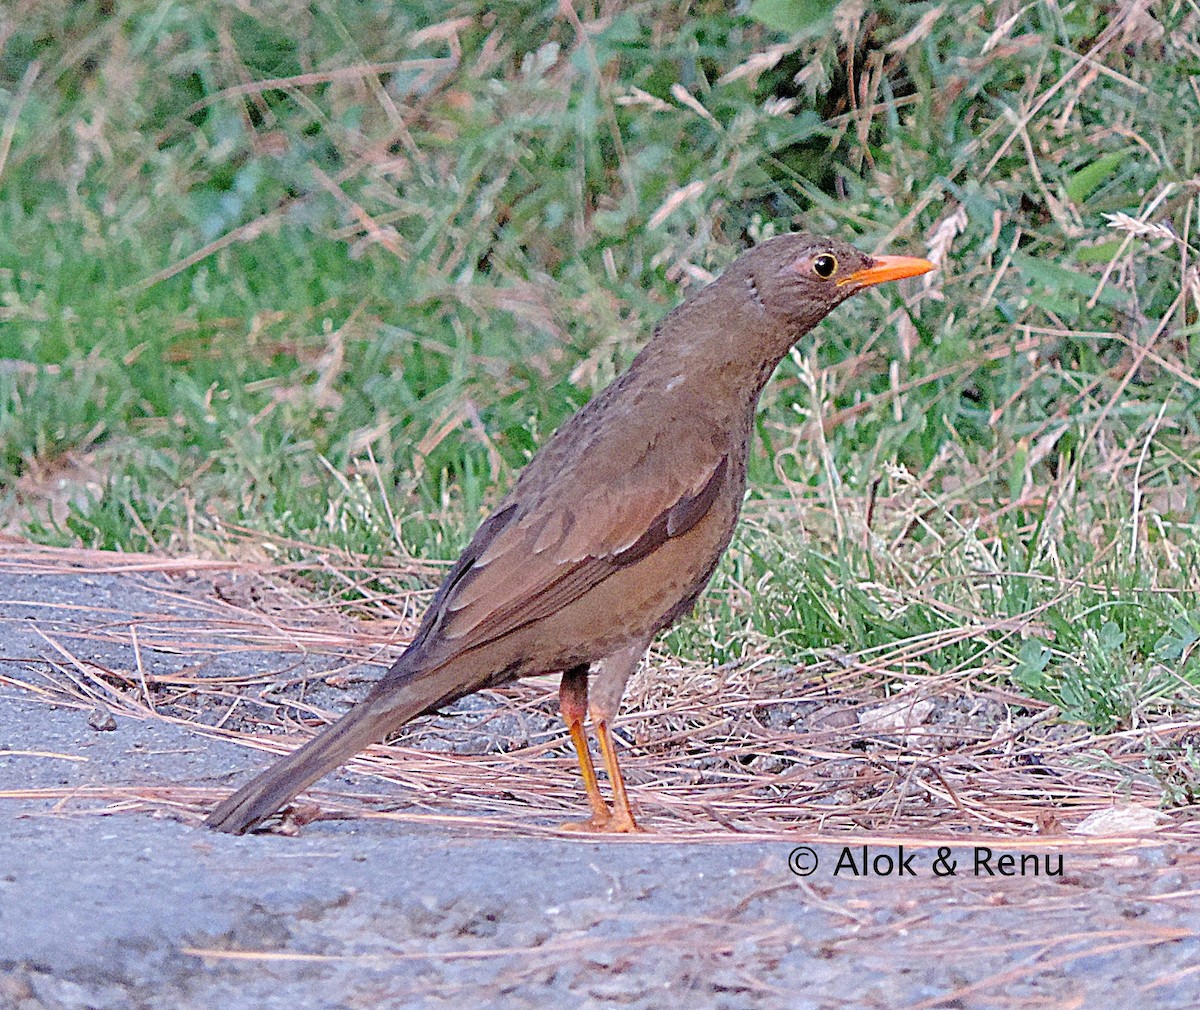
x,y
611,531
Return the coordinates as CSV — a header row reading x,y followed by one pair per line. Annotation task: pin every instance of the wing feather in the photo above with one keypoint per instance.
x,y
547,557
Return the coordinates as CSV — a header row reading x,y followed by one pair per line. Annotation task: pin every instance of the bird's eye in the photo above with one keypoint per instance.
x,y
825,266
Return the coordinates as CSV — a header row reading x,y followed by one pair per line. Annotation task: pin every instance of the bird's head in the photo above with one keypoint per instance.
x,y
801,277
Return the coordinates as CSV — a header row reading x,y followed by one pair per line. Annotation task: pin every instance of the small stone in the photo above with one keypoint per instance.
x,y
1123,819
900,715
101,720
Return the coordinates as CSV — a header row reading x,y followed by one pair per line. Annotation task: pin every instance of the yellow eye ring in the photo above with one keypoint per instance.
x,y
825,265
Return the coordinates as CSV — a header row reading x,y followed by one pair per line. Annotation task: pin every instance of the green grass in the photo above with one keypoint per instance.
x,y
260,270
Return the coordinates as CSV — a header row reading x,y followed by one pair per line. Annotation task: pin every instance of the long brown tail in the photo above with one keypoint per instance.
x,y
393,702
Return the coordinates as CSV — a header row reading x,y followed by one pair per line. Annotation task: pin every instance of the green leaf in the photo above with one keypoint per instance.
x,y
1086,180
1102,252
1060,280
1180,639
1111,637
1064,630
1032,661
806,17
1016,472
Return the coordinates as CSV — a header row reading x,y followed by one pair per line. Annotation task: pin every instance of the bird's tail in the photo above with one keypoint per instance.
x,y
394,701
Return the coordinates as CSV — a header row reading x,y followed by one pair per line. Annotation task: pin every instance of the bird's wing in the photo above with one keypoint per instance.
x,y
530,559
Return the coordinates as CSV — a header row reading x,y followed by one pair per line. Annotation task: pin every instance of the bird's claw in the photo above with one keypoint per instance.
x,y
611,825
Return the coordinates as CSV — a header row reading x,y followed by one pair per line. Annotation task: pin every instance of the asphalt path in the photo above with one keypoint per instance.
x,y
105,904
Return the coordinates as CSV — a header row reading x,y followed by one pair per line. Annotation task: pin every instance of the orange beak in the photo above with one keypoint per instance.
x,y
888,268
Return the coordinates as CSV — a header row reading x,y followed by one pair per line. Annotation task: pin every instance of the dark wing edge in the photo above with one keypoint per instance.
x,y
435,614
577,578
678,519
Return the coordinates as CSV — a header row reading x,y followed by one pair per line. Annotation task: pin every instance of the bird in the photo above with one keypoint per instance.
x,y
609,533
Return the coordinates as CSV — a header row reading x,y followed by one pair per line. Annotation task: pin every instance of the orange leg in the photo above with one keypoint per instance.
x,y
622,816
573,702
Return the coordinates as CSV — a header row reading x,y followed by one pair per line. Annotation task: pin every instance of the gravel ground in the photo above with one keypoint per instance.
x,y
102,907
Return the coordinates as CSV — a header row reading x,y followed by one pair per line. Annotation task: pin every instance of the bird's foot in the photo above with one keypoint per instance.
x,y
624,825
593,825
613,824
